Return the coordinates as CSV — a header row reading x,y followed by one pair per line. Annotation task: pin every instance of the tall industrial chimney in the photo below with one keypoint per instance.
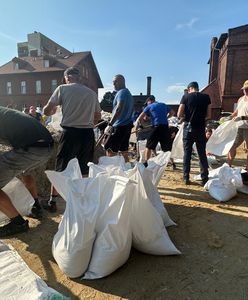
x,y
149,79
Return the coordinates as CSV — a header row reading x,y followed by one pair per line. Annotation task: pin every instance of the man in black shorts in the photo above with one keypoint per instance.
x,y
31,146
159,113
80,111
119,128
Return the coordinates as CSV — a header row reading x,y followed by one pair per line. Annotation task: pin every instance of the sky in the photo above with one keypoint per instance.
x,y
167,40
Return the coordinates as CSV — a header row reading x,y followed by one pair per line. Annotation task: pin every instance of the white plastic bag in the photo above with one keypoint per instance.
x,y
220,191
19,196
222,138
177,146
72,244
114,238
149,233
56,120
17,281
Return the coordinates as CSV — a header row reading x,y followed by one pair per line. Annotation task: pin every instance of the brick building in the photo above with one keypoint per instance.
x,y
30,78
228,69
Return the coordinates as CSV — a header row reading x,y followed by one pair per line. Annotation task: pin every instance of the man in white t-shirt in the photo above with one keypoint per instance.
x,y
80,112
240,115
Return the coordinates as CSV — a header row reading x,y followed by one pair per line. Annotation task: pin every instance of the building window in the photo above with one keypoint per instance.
x,y
38,86
86,73
9,89
46,63
16,66
23,87
54,85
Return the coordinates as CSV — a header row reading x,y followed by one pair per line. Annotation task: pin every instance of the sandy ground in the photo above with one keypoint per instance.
x,y
213,238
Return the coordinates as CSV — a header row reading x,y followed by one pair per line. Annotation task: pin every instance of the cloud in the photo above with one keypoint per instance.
x,y
6,36
176,88
188,25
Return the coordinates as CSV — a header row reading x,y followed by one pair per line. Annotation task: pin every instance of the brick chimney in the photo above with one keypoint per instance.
x,y
214,61
149,79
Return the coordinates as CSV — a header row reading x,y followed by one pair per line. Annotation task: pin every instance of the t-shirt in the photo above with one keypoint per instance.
x,y
242,108
157,111
196,104
124,97
79,104
20,130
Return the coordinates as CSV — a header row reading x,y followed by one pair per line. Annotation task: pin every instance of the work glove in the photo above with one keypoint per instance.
x,y
109,130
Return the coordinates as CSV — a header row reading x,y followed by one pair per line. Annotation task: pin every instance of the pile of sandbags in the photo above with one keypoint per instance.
x,y
107,213
224,182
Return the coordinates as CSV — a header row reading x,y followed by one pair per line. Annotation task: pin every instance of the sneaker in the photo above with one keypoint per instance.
x,y
49,205
186,181
36,212
11,228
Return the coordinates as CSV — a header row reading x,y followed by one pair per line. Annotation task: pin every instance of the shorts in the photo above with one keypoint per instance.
x,y
242,135
119,140
159,133
75,143
21,162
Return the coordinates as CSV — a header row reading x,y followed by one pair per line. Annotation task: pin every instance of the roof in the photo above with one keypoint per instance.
x,y
36,64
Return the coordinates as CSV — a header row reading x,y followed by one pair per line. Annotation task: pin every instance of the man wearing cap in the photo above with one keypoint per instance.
x,y
158,112
121,123
240,115
80,111
195,109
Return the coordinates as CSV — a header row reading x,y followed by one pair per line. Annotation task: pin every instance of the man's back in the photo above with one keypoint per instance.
x,y
79,104
158,112
196,105
19,129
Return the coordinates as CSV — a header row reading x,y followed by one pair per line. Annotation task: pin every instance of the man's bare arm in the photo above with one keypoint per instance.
x,y
49,109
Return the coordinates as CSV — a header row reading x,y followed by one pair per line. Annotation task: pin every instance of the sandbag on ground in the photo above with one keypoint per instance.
x,y
19,196
18,282
147,176
149,234
114,237
72,244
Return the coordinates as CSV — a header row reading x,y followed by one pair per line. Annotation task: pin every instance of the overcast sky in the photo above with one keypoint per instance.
x,y
167,40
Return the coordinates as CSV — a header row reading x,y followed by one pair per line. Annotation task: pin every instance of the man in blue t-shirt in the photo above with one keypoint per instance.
x,y
121,123
158,113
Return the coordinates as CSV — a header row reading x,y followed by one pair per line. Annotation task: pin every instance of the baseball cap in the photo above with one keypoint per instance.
x,y
245,85
72,71
151,97
193,84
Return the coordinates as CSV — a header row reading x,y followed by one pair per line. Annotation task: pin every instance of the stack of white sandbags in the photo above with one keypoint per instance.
x,y
224,182
105,214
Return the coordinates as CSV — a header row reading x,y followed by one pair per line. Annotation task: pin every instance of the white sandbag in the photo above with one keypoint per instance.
x,y
19,196
147,176
18,282
142,147
157,165
222,138
72,244
219,191
153,195
177,146
114,237
56,120
149,233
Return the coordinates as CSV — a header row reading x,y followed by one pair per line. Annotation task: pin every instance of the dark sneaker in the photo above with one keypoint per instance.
x,y
49,205
186,181
11,228
36,212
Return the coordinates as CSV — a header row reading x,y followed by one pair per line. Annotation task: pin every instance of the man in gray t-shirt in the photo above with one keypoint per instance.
x,y
80,111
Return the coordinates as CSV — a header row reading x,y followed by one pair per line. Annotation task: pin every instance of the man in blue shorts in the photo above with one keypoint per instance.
x,y
158,113
121,123
31,146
